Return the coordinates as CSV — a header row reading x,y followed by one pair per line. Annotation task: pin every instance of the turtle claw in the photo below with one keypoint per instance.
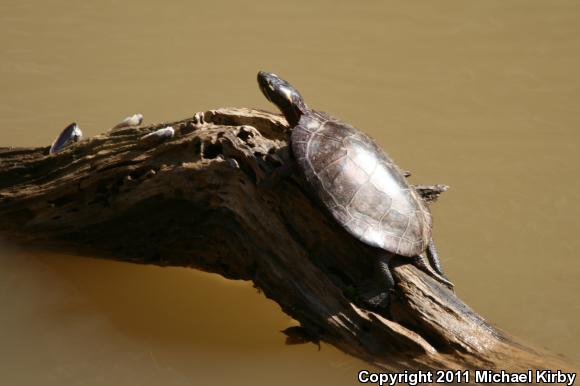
x,y
375,299
377,291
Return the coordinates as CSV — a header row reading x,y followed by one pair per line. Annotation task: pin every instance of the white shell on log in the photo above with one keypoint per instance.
x,y
131,120
233,163
158,135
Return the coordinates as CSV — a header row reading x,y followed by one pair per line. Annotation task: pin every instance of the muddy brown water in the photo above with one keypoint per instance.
x,y
483,96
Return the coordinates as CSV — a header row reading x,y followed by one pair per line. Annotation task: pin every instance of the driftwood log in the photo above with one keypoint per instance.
x,y
205,199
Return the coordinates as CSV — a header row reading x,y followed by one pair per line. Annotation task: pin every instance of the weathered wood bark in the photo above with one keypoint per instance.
x,y
204,200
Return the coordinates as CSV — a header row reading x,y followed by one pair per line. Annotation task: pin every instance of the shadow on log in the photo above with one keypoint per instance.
x,y
199,200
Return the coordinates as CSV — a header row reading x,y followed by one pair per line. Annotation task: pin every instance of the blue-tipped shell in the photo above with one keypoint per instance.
x,y
71,133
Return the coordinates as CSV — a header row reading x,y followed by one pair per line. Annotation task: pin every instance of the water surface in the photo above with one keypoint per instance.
x,y
482,96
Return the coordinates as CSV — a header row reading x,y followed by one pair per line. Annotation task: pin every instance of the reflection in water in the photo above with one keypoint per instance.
x,y
481,96
87,321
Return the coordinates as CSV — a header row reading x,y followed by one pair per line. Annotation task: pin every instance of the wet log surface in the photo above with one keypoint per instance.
x,y
210,199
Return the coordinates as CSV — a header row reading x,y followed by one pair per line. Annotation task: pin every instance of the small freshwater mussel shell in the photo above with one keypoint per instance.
x,y
72,133
131,120
158,135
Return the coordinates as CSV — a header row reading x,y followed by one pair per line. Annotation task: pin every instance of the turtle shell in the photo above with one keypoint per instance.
x,y
360,185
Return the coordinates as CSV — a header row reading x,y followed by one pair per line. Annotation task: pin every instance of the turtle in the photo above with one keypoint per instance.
x,y
359,184
71,133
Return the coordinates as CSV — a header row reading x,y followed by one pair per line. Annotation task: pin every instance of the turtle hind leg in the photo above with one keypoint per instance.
x,y
422,263
433,257
376,292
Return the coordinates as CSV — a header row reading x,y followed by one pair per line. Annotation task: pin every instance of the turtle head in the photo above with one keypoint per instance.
x,y
283,95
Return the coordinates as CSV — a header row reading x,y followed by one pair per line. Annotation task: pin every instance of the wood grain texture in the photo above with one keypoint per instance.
x,y
205,199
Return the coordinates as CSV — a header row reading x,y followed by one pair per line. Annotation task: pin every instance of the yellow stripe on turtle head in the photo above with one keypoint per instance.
x,y
287,93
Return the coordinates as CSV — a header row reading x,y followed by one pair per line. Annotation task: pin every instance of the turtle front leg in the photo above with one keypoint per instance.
x,y
286,169
279,174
